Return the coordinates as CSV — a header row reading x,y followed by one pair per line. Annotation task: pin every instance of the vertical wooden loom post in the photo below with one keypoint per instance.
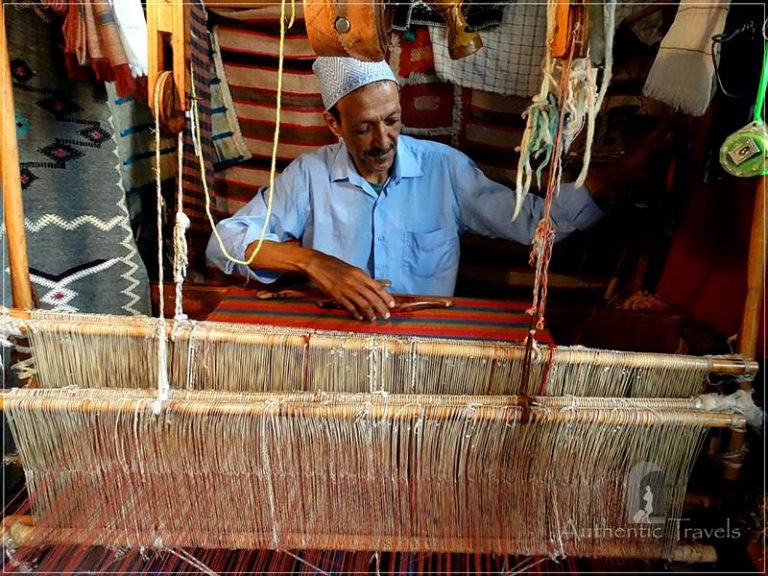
x,y
750,321
752,315
13,207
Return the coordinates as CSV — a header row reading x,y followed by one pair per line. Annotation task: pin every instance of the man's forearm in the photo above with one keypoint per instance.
x,y
282,257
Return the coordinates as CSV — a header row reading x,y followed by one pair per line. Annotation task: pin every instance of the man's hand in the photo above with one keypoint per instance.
x,y
352,288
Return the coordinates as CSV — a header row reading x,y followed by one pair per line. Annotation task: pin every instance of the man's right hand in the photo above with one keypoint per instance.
x,y
352,288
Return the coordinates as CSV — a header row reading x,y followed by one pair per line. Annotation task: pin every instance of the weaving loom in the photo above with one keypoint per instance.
x,y
282,436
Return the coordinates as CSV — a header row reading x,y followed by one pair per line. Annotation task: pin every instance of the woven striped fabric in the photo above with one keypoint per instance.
x,y
249,51
194,195
468,318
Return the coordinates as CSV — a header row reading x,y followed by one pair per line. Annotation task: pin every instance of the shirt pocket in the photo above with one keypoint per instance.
x,y
431,254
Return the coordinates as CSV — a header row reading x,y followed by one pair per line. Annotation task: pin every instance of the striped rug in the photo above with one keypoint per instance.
x,y
249,51
468,318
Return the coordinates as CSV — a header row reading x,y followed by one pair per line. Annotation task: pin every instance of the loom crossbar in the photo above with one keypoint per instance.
x,y
120,352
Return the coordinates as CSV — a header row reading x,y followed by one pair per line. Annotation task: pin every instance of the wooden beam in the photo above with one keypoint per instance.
x,y
13,207
753,306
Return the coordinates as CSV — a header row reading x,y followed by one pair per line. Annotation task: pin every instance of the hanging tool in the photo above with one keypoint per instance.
x,y
744,152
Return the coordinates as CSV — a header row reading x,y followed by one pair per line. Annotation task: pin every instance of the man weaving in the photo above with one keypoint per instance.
x,y
380,207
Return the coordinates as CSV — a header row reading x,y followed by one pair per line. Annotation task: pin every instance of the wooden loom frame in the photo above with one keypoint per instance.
x,y
169,22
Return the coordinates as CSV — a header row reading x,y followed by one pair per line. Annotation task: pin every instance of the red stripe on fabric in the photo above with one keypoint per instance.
x,y
239,183
472,319
255,32
283,124
268,69
240,50
298,109
261,90
235,293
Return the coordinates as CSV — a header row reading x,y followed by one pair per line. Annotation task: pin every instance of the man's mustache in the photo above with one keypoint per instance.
x,y
379,152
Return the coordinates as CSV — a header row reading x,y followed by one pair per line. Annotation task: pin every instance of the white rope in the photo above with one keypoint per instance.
x,y
180,256
162,354
275,143
609,10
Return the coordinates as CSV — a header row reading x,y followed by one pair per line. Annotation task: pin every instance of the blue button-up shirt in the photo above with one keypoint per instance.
x,y
409,232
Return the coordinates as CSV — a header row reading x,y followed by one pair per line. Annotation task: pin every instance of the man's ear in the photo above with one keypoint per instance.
x,y
332,124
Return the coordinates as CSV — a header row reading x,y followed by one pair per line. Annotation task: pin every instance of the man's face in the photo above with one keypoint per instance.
x,y
369,123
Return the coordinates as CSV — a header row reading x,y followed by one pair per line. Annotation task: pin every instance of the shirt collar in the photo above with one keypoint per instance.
x,y
405,165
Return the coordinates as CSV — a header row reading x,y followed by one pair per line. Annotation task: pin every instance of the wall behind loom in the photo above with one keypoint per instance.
x,y
484,124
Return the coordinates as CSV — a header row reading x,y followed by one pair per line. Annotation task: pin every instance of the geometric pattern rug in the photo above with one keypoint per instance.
x,y
82,254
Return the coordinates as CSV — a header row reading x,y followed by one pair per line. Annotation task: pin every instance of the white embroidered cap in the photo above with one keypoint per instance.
x,y
340,75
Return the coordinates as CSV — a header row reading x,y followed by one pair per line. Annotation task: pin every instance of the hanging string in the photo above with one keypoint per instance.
x,y
180,252
544,237
275,142
609,28
760,101
163,388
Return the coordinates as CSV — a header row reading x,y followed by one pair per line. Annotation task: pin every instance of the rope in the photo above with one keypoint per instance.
x,y
609,9
275,142
180,256
544,238
163,387
760,101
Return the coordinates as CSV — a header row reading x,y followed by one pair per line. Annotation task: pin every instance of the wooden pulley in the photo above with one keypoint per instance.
x,y
348,28
461,42
571,30
168,79
170,117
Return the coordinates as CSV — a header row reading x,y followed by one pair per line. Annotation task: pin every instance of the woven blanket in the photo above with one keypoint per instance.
x,y
134,130
81,250
683,74
468,318
249,51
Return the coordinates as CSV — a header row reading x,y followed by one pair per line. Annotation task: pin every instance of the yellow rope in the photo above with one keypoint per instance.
x,y
275,142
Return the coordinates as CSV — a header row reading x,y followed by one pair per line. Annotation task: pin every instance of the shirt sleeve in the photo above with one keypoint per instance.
x,y
286,222
486,207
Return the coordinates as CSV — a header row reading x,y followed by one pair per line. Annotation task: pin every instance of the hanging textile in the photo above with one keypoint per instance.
x,y
201,62
93,46
228,142
249,51
683,74
82,252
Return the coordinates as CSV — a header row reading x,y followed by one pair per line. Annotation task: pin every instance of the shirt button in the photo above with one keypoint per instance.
x,y
380,238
